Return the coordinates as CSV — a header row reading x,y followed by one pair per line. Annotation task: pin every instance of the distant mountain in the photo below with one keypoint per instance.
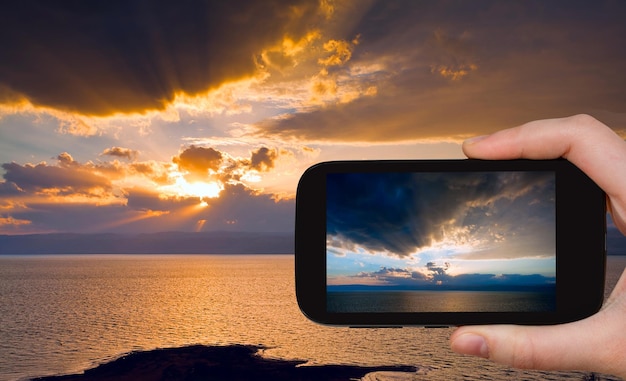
x,y
154,243
219,242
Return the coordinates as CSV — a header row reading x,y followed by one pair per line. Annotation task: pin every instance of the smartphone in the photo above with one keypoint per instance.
x,y
449,242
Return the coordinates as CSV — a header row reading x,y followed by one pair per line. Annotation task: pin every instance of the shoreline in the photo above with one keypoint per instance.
x,y
233,362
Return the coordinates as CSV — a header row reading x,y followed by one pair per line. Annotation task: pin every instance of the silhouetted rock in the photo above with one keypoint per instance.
x,y
209,363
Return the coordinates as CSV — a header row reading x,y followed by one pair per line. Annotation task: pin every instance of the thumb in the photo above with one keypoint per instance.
x,y
582,345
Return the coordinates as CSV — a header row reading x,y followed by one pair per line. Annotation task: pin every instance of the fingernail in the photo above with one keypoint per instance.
x,y
475,139
471,344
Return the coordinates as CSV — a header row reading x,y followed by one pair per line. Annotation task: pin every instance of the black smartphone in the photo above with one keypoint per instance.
x,y
449,242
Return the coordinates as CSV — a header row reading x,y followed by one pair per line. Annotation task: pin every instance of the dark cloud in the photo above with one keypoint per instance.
x,y
66,179
384,276
400,213
396,276
451,69
263,159
125,153
437,271
241,208
436,277
130,56
9,188
198,161
47,217
149,200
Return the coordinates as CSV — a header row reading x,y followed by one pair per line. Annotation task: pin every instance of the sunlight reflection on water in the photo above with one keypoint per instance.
x,y
62,314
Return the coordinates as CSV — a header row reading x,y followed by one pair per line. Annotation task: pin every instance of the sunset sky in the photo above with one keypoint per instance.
x,y
147,116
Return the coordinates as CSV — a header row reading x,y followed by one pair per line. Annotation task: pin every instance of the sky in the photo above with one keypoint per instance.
x,y
417,229
146,116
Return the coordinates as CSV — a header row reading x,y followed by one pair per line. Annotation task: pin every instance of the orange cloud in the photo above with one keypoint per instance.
x,y
341,52
10,221
155,171
453,72
199,162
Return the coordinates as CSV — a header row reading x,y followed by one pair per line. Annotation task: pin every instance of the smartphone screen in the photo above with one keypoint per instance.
x,y
449,242
440,242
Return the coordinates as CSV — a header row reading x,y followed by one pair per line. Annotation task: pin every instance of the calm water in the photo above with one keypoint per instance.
x,y
61,314
439,301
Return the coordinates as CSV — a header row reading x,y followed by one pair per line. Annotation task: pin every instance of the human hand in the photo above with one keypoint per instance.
x,y
597,343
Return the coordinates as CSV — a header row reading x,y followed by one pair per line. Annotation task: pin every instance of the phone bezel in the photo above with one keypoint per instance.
x,y
580,230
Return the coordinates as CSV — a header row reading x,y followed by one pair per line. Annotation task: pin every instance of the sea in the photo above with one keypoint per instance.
x,y
440,301
62,314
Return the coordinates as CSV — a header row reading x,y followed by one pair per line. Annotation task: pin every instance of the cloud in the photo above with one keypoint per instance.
x,y
248,82
449,70
147,210
100,59
8,222
65,179
155,171
401,214
238,208
388,276
205,163
70,181
377,71
263,159
436,269
241,208
9,188
340,52
66,160
436,277
149,200
138,196
199,161
125,153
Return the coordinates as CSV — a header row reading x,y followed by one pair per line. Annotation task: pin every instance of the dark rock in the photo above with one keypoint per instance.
x,y
212,363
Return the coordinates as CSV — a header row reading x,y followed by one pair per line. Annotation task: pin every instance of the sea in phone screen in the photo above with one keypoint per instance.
x,y
440,242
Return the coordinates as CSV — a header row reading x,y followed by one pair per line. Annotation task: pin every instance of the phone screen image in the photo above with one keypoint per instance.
x,y
414,242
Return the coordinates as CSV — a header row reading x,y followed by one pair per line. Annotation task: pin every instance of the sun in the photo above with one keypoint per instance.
x,y
200,189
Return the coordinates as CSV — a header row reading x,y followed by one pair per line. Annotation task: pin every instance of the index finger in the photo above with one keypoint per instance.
x,y
586,142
